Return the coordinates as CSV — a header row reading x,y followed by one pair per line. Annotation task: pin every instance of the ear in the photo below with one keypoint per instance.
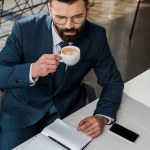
x,y
49,6
90,4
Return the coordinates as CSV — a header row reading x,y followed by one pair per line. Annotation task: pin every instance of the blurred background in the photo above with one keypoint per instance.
x,y
131,50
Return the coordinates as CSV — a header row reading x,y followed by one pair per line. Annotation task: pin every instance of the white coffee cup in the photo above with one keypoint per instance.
x,y
70,55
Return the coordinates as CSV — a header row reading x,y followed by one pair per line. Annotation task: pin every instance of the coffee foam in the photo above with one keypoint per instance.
x,y
70,51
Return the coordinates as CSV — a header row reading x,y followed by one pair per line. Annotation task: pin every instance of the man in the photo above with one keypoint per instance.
x,y
28,64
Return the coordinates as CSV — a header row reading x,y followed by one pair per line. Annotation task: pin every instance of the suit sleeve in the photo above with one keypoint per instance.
x,y
14,72
110,79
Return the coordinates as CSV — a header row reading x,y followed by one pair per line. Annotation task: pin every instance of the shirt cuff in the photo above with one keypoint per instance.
x,y
31,80
109,118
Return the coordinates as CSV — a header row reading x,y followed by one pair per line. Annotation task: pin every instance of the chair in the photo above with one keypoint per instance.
x,y
91,3
88,89
134,20
89,92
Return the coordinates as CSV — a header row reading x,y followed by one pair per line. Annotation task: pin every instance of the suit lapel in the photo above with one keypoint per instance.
x,y
46,45
50,45
46,40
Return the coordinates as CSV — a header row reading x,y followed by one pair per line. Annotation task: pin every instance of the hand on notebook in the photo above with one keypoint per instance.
x,y
93,125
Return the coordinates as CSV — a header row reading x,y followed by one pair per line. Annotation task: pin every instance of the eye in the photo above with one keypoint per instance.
x,y
78,19
60,20
60,17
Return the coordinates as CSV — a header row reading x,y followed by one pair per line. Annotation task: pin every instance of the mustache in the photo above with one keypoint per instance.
x,y
69,30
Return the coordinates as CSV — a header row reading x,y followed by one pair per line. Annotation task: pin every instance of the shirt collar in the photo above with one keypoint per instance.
x,y
56,38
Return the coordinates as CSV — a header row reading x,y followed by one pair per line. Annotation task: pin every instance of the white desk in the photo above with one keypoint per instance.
x,y
132,114
139,88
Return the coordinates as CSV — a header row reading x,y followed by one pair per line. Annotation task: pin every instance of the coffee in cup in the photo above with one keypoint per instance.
x,y
70,55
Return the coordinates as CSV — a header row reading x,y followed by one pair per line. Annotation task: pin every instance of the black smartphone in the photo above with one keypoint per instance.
x,y
124,132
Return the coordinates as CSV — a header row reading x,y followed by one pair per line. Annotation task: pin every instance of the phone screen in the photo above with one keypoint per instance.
x,y
124,132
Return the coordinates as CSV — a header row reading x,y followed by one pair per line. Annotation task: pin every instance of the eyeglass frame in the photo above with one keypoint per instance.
x,y
66,19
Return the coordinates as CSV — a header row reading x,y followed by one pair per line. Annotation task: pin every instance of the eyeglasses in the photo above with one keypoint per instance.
x,y
61,20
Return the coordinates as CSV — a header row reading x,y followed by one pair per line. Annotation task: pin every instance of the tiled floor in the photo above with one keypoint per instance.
x,y
132,57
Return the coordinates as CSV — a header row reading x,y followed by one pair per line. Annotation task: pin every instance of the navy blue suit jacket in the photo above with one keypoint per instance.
x,y
22,104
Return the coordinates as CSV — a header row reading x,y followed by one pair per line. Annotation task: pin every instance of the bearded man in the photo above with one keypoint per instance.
x,y
29,63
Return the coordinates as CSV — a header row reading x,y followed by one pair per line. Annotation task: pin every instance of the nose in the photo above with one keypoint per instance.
x,y
69,24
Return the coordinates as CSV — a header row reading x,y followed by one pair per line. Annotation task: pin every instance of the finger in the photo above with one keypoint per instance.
x,y
58,57
83,121
51,56
52,70
51,62
53,67
84,126
94,132
46,69
80,124
88,129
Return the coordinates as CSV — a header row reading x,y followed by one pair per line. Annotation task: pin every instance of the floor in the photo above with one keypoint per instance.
x,y
132,56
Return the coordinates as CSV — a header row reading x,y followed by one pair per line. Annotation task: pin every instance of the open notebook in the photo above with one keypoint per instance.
x,y
59,136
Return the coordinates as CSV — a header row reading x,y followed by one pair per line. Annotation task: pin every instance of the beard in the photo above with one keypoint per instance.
x,y
70,38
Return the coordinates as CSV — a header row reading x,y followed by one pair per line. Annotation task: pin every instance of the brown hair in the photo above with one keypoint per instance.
x,y
70,1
